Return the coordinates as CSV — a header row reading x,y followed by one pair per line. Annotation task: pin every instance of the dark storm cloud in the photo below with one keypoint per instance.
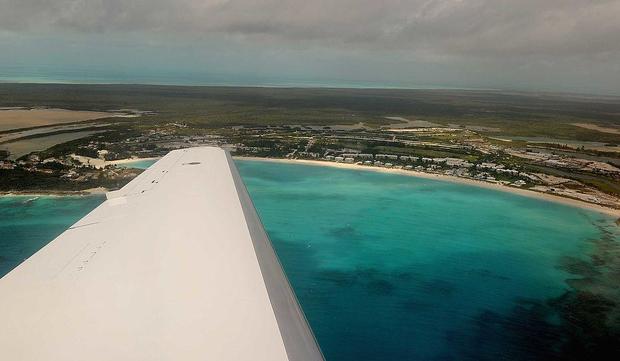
x,y
495,28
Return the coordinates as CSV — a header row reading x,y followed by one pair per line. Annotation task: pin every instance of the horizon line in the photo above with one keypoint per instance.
x,y
313,86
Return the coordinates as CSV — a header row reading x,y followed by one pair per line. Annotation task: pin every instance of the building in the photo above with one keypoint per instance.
x,y
490,166
457,162
507,171
5,164
386,156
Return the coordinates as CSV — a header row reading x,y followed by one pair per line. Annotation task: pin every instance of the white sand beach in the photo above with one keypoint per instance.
x,y
102,163
441,177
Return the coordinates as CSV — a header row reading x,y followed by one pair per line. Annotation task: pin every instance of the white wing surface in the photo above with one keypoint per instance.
x,y
174,266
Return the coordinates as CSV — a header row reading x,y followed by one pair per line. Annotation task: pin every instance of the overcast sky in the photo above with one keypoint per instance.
x,y
564,45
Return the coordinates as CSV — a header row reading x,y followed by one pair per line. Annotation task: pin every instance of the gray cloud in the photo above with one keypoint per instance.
x,y
434,27
520,35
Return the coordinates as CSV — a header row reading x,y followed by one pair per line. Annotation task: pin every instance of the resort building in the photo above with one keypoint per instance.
x,y
386,156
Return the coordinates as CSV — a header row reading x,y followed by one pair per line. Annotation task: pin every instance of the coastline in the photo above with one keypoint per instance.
x,y
131,160
52,193
101,163
446,178
412,173
97,163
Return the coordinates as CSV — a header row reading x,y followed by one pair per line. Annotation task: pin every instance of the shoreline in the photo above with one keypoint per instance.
x,y
446,178
411,173
99,163
102,163
131,160
52,193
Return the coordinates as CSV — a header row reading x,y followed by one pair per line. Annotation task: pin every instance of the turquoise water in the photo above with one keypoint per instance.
x,y
391,267
75,75
28,223
139,164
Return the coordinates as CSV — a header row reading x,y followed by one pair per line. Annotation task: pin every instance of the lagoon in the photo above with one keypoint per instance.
x,y
19,148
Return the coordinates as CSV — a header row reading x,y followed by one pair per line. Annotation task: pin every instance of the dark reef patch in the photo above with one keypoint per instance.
x,y
590,310
377,282
345,233
528,332
581,324
380,287
415,304
586,322
580,267
482,272
370,279
338,277
438,287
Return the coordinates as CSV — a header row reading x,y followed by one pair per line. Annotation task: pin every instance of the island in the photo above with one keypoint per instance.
x,y
560,146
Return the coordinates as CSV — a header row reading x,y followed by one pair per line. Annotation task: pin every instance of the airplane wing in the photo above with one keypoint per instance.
x,y
174,266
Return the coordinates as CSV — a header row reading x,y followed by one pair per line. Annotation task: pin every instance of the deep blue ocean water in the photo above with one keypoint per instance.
x,y
391,267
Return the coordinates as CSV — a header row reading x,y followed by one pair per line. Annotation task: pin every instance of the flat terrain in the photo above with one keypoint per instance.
x,y
598,128
561,144
492,112
27,118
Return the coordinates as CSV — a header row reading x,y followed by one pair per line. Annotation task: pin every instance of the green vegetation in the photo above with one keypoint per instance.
x,y
22,180
463,136
516,114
